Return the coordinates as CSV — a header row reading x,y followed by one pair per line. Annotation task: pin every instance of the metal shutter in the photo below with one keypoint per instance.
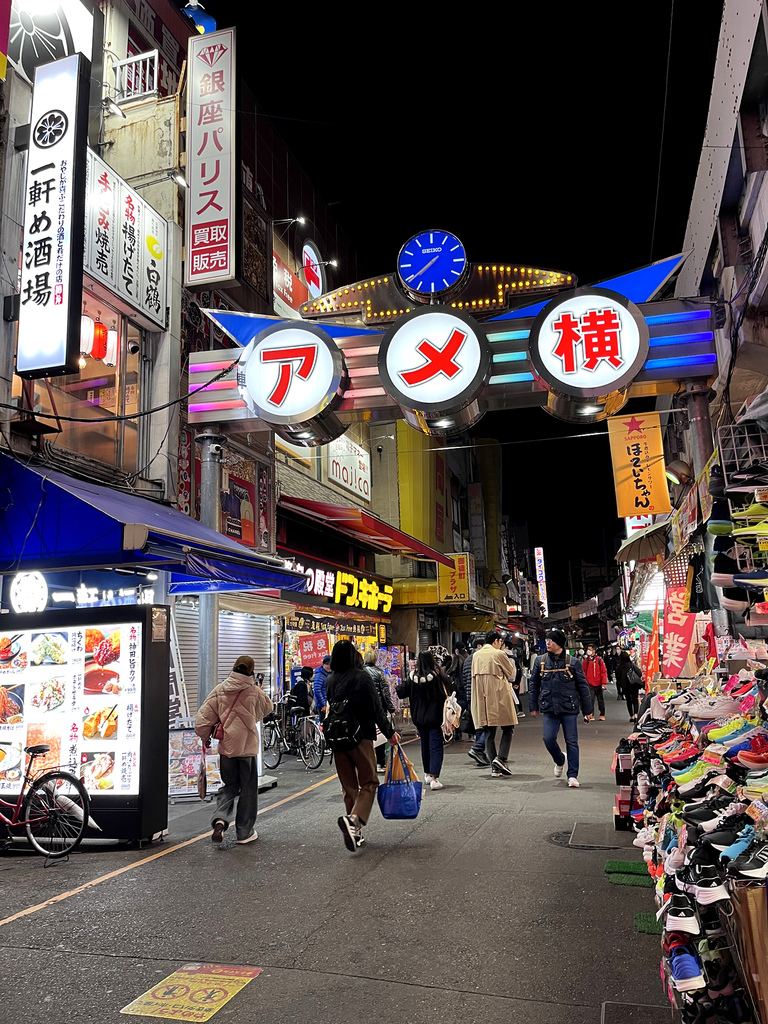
x,y
426,640
239,633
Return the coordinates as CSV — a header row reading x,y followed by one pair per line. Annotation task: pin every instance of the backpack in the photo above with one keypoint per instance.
x,y
341,729
567,668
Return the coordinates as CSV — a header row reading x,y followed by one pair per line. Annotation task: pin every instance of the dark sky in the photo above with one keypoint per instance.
x,y
534,136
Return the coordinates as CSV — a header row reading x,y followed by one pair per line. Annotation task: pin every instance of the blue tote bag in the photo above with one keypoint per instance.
x,y
399,795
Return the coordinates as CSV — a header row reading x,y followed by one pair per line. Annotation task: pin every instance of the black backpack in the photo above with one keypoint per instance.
x,y
341,729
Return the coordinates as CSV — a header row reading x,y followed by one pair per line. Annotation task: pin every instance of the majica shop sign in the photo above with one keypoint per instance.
x,y
347,588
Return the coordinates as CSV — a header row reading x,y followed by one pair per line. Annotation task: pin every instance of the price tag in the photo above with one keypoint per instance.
x,y
758,811
762,545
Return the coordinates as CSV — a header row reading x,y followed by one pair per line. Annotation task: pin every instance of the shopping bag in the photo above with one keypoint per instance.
x,y
202,777
399,795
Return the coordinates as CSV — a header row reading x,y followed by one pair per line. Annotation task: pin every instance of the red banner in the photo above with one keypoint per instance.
x,y
652,659
678,632
313,648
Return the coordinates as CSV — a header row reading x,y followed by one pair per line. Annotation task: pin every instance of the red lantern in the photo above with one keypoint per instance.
x,y
99,349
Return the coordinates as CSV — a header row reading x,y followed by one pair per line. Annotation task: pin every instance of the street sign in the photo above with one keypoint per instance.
x,y
193,993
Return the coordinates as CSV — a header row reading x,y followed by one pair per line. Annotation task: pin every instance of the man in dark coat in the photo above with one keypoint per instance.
x,y
556,688
477,750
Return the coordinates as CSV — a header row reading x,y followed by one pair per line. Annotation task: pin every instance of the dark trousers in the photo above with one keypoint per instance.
x,y
240,778
597,695
504,745
632,702
432,751
479,743
552,725
356,769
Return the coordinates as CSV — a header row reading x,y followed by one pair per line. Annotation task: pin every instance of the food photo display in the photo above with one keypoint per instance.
x,y
79,692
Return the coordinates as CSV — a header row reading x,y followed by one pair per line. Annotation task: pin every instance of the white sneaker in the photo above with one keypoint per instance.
x,y
559,769
435,784
429,778
573,783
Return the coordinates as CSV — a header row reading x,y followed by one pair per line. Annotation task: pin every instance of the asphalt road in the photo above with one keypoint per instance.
x,y
467,914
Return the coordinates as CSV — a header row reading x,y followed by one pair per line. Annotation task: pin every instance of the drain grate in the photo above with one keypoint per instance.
x,y
559,838
566,839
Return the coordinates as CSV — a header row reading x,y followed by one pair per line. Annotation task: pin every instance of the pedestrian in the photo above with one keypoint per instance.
x,y
238,703
455,673
318,686
597,678
631,683
351,689
300,691
477,750
493,705
385,696
612,664
556,688
426,689
511,652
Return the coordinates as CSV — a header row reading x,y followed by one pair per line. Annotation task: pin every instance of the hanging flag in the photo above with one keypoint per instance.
x,y
652,665
637,454
678,632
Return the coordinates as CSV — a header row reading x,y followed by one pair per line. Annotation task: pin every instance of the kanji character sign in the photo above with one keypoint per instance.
x,y
597,332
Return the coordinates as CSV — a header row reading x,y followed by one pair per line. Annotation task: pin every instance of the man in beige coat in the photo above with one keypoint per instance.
x,y
492,702
238,703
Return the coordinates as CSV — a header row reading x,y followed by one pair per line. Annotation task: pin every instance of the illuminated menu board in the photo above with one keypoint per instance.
x,y
77,690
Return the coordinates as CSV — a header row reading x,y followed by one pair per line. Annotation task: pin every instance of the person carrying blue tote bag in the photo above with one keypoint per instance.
x,y
399,795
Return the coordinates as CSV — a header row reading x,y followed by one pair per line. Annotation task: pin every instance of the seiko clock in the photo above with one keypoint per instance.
x,y
432,265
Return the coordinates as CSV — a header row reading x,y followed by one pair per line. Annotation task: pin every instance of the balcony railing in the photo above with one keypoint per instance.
x,y
136,77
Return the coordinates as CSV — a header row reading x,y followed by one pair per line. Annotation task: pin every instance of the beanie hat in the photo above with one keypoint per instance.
x,y
244,665
557,636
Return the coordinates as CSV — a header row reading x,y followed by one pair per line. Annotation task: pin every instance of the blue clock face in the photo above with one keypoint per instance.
x,y
432,263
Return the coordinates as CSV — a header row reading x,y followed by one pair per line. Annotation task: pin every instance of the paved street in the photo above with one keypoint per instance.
x,y
469,914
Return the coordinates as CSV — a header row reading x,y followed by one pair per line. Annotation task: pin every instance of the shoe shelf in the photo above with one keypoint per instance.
x,y
740,444
745,978
750,558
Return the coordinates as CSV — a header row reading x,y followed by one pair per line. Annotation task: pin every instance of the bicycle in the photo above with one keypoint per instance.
x,y
303,734
54,808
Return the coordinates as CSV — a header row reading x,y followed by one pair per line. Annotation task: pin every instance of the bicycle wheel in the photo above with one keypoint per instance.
x,y
56,809
271,745
311,745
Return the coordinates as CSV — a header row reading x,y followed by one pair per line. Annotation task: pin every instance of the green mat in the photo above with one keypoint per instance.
x,y
647,923
626,867
645,882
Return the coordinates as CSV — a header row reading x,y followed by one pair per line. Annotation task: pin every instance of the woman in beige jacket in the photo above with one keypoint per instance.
x,y
492,702
238,703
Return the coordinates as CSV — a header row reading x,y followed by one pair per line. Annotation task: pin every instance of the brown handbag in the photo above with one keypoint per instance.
x,y
218,729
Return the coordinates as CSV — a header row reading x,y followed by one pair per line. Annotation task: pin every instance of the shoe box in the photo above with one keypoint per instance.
x,y
622,822
622,771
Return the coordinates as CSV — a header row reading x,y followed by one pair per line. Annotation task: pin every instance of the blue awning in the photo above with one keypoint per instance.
x,y
50,521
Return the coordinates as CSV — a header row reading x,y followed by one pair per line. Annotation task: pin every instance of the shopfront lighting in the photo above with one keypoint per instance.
x,y
179,178
110,359
110,107
99,348
678,472
175,176
86,335
290,220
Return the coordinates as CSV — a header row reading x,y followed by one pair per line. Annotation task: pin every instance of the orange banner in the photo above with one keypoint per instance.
x,y
637,453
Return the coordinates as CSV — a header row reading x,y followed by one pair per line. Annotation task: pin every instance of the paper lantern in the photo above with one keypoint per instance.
x,y
100,332
110,359
86,335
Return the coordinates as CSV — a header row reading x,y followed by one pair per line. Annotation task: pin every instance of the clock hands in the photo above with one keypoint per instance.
x,y
423,269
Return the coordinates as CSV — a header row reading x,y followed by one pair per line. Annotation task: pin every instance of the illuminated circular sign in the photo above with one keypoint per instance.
x,y
313,269
589,342
290,373
29,592
434,360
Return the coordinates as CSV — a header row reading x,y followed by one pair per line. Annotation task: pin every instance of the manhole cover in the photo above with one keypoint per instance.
x,y
560,838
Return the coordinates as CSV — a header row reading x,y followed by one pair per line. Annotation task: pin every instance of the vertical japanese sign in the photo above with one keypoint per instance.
x,y
678,633
211,140
54,221
638,464
477,540
5,31
541,578
456,584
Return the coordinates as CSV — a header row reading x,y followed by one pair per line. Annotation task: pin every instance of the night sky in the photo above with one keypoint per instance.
x,y
535,137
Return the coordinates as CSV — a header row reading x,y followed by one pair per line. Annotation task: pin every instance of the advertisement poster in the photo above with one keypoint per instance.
x,y
238,501
313,648
678,633
637,454
78,691
184,751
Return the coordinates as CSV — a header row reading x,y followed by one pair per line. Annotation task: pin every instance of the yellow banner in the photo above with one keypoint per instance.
x,y
637,453
456,584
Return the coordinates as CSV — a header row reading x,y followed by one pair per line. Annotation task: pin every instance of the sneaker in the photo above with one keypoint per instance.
x,y
757,510
380,769
685,969
349,829
601,719
428,778
496,774
707,886
501,766
359,837
573,783
248,839
740,845
559,768
680,914
478,756
755,864
757,580
435,784
645,837
219,828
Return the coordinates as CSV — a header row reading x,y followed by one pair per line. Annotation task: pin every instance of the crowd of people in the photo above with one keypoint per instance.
x,y
352,695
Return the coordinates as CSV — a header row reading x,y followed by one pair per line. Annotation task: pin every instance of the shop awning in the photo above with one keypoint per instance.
x,y
53,521
365,527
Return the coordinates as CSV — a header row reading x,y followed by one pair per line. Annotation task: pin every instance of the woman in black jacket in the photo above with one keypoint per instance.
x,y
630,678
385,696
426,690
356,768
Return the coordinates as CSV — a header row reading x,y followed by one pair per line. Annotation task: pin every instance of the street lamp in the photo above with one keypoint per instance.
x,y
175,176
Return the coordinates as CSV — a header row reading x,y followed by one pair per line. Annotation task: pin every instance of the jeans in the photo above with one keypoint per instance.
x,y
597,695
479,744
504,745
552,725
432,751
240,778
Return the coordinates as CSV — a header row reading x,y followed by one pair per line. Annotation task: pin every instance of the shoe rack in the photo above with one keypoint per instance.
x,y
740,446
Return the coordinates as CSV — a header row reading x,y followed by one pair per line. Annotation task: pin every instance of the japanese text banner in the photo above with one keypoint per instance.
x,y
678,633
638,464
